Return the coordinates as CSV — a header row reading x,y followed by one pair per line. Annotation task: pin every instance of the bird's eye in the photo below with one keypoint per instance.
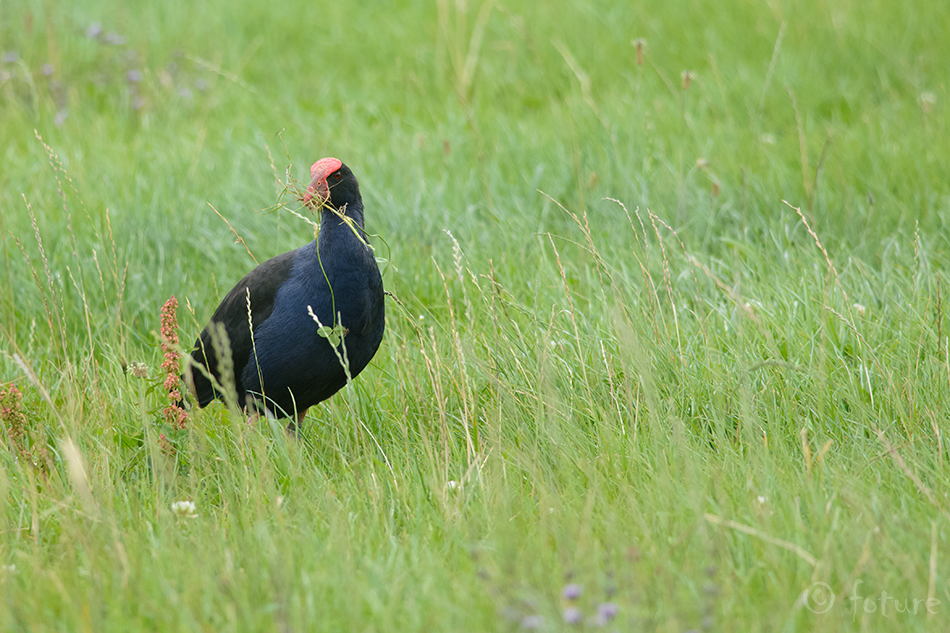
x,y
337,176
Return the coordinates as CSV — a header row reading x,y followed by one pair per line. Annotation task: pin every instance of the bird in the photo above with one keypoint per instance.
x,y
284,361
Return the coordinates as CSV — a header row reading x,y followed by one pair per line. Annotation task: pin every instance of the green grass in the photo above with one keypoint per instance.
x,y
696,402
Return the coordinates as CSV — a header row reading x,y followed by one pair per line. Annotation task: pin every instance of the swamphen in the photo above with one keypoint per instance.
x,y
287,365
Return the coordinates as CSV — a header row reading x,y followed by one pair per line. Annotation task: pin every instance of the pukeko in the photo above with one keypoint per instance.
x,y
283,362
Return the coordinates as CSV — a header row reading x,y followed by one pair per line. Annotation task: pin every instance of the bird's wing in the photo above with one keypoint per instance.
x,y
263,283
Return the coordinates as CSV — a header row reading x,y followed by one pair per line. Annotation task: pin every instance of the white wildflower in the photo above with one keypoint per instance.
x,y
138,370
184,509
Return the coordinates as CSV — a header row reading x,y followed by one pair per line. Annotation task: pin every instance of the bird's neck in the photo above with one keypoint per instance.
x,y
334,228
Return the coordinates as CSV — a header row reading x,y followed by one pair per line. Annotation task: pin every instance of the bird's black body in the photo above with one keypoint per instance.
x,y
288,366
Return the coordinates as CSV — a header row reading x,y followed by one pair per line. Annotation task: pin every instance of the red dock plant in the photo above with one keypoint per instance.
x,y
174,414
13,419
26,443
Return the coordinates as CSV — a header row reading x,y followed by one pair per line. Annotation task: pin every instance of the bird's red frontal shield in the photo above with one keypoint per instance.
x,y
318,174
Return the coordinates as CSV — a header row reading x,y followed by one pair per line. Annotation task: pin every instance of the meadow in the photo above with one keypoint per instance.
x,y
666,348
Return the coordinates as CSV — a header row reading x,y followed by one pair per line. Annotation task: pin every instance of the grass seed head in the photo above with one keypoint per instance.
x,y
640,46
687,77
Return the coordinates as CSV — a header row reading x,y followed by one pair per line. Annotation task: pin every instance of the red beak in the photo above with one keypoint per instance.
x,y
319,192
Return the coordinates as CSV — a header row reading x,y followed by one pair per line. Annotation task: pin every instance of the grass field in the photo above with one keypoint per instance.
x,y
670,349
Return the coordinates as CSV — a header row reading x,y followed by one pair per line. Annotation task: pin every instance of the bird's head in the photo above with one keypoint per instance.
x,y
332,184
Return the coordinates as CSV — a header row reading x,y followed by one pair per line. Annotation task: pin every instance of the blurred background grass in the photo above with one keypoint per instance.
x,y
608,389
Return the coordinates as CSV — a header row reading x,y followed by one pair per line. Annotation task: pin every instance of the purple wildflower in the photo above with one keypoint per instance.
x,y
573,615
134,76
94,30
607,612
47,69
532,622
572,591
10,57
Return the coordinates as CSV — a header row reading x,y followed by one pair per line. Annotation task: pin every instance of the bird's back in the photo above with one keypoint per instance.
x,y
262,284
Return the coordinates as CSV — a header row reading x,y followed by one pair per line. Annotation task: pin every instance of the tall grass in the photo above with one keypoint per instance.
x,y
666,348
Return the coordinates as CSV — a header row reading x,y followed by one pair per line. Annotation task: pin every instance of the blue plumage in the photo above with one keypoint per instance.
x,y
290,366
